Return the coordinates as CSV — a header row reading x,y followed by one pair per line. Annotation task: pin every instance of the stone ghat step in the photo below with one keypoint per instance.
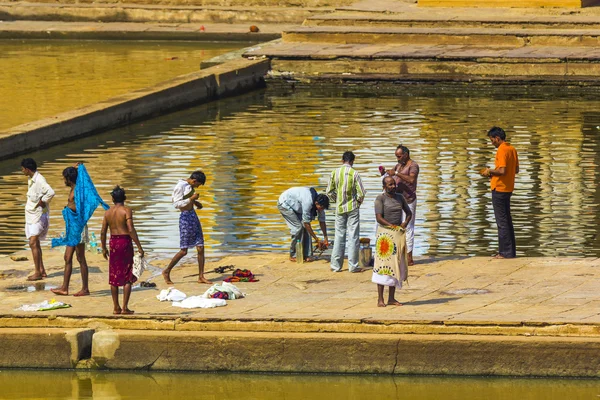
x,y
431,62
508,3
414,20
233,14
445,36
203,3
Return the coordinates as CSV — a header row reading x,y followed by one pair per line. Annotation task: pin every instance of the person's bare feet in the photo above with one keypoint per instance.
x,y
117,311
82,292
204,280
499,257
293,259
60,292
44,274
127,311
309,259
167,277
35,277
380,303
394,302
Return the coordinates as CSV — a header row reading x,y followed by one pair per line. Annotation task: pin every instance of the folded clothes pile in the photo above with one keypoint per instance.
x,y
225,291
241,275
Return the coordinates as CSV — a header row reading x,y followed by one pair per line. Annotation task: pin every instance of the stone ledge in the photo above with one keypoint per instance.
x,y
228,79
346,353
43,347
299,325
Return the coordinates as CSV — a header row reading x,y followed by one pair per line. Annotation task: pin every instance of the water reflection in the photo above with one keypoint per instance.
x,y
41,78
253,147
99,385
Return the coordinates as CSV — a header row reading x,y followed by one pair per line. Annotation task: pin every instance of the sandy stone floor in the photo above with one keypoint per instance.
x,y
548,290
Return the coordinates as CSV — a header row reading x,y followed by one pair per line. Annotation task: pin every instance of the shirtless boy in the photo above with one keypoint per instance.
x,y
120,265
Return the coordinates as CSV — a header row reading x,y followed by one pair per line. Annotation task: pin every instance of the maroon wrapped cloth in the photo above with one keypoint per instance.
x,y
120,261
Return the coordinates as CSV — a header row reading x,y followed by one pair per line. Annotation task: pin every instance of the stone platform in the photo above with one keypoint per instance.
x,y
395,40
527,316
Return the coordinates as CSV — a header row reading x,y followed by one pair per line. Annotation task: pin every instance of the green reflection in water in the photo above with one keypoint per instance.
x,y
223,386
41,78
255,146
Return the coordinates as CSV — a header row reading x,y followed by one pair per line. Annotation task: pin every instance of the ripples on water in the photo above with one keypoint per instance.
x,y
41,78
99,385
253,147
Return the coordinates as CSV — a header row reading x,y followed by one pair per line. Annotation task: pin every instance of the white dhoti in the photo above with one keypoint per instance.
x,y
39,229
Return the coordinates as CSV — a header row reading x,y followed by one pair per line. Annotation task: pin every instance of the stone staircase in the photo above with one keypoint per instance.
x,y
408,42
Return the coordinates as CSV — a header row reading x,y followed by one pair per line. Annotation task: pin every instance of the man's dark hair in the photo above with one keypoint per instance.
x,y
404,149
322,200
348,157
199,177
118,194
497,132
70,174
29,163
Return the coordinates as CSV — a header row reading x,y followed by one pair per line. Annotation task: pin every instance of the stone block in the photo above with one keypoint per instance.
x,y
44,347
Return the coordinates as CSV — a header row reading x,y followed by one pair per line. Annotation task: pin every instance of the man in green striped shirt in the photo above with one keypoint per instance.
x,y
346,190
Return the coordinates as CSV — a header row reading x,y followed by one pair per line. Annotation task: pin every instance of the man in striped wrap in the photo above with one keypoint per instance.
x,y
346,190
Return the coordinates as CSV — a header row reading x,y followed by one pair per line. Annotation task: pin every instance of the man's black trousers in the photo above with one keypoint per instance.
x,y
506,232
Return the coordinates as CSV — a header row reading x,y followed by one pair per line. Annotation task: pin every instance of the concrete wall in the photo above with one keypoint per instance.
x,y
224,80
300,352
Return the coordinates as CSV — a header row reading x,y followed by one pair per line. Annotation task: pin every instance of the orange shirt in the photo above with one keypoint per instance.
x,y
506,157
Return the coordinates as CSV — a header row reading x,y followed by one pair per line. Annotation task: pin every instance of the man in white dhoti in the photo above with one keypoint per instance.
x,y
37,214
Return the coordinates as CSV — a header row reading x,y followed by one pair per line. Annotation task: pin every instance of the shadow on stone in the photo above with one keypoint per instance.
x,y
430,301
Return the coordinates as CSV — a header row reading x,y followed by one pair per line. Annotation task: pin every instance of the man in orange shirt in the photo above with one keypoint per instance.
x,y
503,183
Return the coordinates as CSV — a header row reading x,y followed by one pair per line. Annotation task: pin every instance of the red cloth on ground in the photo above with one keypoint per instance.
x,y
241,275
120,262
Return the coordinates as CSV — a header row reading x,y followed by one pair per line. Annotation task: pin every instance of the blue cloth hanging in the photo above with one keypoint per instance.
x,y
86,200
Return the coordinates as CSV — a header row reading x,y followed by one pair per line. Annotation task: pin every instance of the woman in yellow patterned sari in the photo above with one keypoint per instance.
x,y
391,263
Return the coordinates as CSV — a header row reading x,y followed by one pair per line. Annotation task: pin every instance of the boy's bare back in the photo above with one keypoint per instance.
x,y
117,217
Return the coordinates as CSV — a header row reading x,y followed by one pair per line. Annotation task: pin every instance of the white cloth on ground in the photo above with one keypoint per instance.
x,y
44,306
232,291
171,294
199,302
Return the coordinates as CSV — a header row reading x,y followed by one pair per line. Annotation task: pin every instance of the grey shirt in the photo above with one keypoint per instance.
x,y
299,200
390,208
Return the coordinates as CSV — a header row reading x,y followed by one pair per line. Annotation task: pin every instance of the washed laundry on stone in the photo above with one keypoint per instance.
x,y
231,290
199,302
241,275
171,294
44,306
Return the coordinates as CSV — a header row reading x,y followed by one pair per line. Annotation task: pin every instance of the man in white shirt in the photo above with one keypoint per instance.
x,y
190,230
37,214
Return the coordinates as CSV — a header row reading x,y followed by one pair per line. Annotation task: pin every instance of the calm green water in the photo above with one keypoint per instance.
x,y
41,78
139,385
255,146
